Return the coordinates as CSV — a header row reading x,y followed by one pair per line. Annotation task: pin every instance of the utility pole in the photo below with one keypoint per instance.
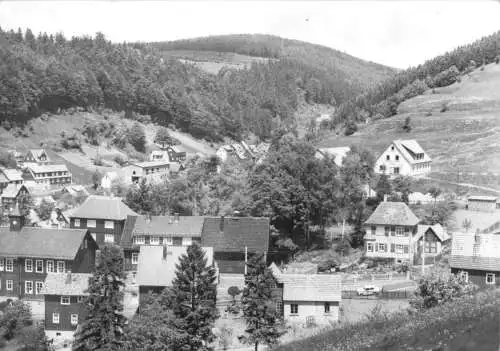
x,y
246,259
423,254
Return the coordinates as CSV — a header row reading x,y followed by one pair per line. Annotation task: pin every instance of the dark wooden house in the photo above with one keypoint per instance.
x,y
28,254
103,216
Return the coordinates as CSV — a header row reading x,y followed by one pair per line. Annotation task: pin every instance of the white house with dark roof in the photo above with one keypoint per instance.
x,y
155,171
47,174
476,257
405,158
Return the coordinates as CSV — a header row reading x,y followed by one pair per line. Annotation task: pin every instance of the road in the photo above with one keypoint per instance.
x,y
464,184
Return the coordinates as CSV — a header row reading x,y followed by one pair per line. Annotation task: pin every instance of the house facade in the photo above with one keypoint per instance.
x,y
310,298
11,194
103,216
431,239
483,203
47,174
175,154
405,158
158,231
157,265
64,296
28,254
476,257
150,170
10,176
391,232
234,239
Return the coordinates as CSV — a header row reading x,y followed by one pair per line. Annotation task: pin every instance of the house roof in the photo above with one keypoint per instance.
x,y
40,242
233,234
482,198
479,263
103,207
409,147
70,284
311,287
37,153
157,264
176,149
480,245
437,229
35,168
393,213
186,226
13,174
148,164
3,178
12,190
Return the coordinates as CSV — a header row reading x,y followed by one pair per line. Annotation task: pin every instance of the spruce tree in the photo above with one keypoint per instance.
x,y
102,327
192,298
259,309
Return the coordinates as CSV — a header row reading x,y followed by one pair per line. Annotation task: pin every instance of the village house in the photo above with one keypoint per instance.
x,y
150,170
36,156
175,154
309,298
10,176
11,194
64,296
103,216
158,230
157,265
476,257
483,203
28,254
47,174
433,237
234,240
391,232
337,153
158,155
405,158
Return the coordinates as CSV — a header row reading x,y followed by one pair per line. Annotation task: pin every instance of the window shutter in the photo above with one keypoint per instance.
x,y
393,247
376,246
406,249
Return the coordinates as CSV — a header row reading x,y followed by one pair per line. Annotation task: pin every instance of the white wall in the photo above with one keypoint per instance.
x,y
311,308
380,237
405,168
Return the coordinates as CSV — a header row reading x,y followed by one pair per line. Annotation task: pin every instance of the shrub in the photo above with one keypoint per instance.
x,y
120,160
7,159
350,128
234,291
233,308
71,141
15,318
407,125
137,137
446,77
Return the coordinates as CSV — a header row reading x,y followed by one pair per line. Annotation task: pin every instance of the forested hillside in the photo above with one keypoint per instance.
x,y
382,100
48,73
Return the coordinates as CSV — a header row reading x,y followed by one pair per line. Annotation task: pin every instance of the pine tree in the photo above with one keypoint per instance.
x,y
192,298
102,328
262,319
383,187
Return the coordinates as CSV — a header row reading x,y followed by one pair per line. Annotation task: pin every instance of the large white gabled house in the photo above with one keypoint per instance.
x,y
405,158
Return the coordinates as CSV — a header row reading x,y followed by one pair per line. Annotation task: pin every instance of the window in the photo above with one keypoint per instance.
x,y
407,231
464,275
2,267
430,247
39,266
38,288
392,148
167,241
400,249
65,300
91,223
373,229
139,240
490,278
77,222
50,266
186,241
80,299
154,240
74,319
109,238
369,247
28,265
279,306
61,266
55,318
327,307
397,157
177,241
393,231
28,287
387,230
294,308
9,284
382,168
400,231
109,224
396,170
381,247
388,158
135,257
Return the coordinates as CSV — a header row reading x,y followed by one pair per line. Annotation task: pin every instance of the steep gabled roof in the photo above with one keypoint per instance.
x,y
409,147
103,207
437,229
70,284
43,243
37,153
12,190
13,174
475,251
233,234
186,226
393,213
311,287
35,168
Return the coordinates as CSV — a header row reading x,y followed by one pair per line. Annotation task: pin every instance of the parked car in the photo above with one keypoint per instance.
x,y
368,290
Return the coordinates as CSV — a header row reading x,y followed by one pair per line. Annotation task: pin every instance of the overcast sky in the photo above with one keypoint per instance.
x,y
395,33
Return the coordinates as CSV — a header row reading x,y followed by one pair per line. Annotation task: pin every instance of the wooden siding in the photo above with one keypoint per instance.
x,y
53,304
479,277
100,230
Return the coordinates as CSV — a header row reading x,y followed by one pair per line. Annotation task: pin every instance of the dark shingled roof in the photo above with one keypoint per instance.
x,y
393,213
475,262
70,284
188,226
236,233
41,242
103,207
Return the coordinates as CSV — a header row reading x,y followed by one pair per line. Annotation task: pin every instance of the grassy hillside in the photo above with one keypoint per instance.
x,y
457,125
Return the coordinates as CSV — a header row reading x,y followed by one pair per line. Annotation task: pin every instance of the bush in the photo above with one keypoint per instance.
x,y
446,77
7,159
350,128
120,160
71,141
234,291
15,318
407,125
137,137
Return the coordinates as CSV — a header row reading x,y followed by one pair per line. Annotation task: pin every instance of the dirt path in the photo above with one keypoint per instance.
x,y
464,184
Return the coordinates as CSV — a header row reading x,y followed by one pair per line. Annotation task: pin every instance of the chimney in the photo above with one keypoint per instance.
x,y
16,219
385,197
176,217
221,225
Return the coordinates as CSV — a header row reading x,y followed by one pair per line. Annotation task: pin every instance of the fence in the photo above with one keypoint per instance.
x,y
374,277
399,294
